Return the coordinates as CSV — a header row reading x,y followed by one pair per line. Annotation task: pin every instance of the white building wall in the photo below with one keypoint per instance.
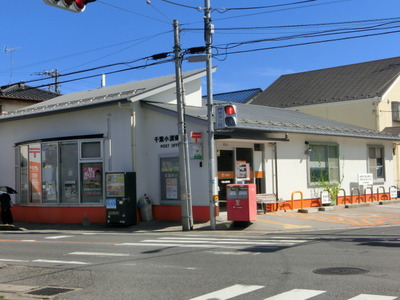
x,y
77,123
353,152
154,125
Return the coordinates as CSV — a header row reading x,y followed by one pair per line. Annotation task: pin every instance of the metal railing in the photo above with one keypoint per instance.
x,y
377,191
301,200
352,194
344,196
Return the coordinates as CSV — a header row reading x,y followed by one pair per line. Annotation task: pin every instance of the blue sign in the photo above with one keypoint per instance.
x,y
111,203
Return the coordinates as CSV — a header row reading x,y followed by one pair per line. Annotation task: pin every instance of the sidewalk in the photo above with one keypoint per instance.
x,y
336,217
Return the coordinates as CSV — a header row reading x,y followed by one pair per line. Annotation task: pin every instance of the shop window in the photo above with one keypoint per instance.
x,y
60,172
169,174
23,174
376,162
69,172
50,172
323,163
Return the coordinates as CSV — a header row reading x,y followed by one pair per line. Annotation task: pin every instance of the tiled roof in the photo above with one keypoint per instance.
x,y
122,92
344,83
236,96
25,92
261,119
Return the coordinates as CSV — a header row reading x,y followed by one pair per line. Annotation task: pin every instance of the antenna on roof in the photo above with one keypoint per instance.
x,y
9,51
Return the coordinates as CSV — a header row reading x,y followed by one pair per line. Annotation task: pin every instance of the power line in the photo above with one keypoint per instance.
x,y
300,25
76,54
308,43
98,68
105,73
318,34
132,12
267,6
279,10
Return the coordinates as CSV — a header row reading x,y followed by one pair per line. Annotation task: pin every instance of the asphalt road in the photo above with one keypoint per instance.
x,y
348,263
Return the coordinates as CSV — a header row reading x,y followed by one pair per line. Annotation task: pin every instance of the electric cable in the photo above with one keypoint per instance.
x,y
315,34
131,11
311,43
106,73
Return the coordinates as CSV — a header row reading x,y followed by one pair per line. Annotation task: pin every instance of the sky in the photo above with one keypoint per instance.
x,y
254,41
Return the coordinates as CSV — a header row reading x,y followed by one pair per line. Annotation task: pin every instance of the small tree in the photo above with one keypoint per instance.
x,y
333,188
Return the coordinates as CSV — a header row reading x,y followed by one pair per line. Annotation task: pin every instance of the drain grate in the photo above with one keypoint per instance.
x,y
49,291
340,271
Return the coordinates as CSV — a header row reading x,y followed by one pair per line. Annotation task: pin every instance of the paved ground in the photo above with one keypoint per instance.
x,y
386,213
338,217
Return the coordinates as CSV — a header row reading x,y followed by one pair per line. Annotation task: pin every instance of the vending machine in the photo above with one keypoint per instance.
x,y
121,198
241,202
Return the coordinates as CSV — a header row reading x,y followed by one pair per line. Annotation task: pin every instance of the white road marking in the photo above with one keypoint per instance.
x,y
13,260
98,254
228,253
229,292
57,237
174,245
59,262
372,297
298,294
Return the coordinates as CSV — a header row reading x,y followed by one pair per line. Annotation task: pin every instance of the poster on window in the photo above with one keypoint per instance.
x,y
172,188
35,172
70,191
169,178
92,180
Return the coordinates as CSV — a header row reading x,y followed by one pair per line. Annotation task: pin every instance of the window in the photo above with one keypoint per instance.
x,y
50,172
91,150
323,163
69,172
376,162
395,111
169,171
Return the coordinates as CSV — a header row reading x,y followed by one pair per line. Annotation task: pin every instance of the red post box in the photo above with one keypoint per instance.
x,y
241,202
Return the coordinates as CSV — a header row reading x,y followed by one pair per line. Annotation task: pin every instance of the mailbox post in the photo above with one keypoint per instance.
x,y
241,202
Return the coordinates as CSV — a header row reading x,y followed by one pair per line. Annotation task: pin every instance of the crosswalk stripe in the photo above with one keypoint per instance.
x,y
183,245
229,292
223,242
57,237
59,262
372,297
298,294
98,254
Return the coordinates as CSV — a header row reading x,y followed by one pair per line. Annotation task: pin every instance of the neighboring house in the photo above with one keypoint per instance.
x,y
241,96
60,151
364,94
17,96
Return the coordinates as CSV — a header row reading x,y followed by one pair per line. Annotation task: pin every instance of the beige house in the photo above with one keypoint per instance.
x,y
17,96
364,94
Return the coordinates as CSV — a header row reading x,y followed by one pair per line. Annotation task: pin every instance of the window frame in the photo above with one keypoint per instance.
x,y
375,174
332,177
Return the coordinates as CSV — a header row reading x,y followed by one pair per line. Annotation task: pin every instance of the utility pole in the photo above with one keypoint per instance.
x,y
184,171
208,32
55,74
